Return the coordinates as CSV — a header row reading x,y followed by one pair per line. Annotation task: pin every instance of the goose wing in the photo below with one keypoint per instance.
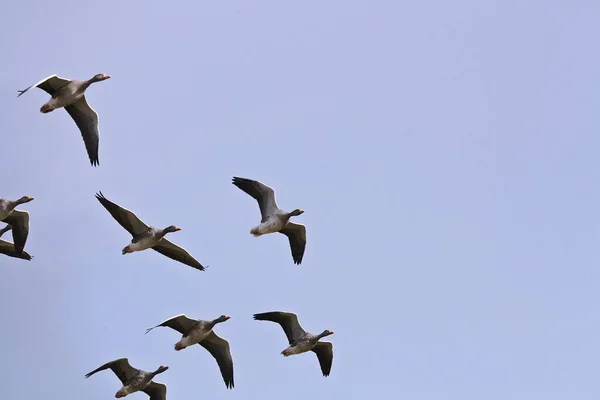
x,y
50,84
87,121
177,253
121,367
219,348
287,320
156,391
181,323
324,352
296,234
124,217
9,249
263,194
19,221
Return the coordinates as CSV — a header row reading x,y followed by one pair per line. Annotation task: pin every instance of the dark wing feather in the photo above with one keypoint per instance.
x,y
49,85
287,320
219,348
9,249
156,391
176,253
19,221
324,352
263,194
181,323
296,234
121,367
123,216
87,121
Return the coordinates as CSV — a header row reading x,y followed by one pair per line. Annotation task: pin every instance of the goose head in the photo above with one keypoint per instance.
x,y
171,228
296,212
160,370
326,332
222,318
99,77
24,199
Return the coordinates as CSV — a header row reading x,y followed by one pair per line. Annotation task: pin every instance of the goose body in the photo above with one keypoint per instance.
x,y
201,332
135,380
274,219
147,237
70,95
299,340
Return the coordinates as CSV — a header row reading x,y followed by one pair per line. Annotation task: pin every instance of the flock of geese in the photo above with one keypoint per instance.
x,y
70,95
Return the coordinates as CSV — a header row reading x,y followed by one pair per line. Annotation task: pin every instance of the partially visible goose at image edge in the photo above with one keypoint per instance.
x,y
9,248
135,380
70,95
145,237
17,219
201,332
274,219
299,340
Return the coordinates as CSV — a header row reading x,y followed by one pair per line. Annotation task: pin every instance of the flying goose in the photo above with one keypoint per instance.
x,y
301,341
135,380
201,332
274,219
9,248
145,237
70,94
17,219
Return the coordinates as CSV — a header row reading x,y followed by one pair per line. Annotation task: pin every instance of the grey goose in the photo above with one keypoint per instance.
x,y
201,332
8,248
17,219
70,95
274,219
135,380
147,237
299,340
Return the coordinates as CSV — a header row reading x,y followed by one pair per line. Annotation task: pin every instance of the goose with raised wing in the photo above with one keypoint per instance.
x,y
17,219
201,332
299,340
274,219
135,380
70,95
147,237
9,248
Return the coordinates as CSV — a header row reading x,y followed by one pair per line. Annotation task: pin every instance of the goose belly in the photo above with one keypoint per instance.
x,y
300,348
193,338
271,225
142,244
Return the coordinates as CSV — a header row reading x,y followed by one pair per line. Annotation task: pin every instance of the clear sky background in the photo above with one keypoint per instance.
x,y
445,153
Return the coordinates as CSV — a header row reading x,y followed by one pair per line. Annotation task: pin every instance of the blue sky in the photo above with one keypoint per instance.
x,y
445,154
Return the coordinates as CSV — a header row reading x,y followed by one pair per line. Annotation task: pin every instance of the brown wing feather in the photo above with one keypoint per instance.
x,y
287,320
324,352
156,391
219,348
181,323
19,221
174,252
296,234
86,120
121,368
123,216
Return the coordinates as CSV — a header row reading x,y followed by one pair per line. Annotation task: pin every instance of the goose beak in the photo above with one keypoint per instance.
x,y
177,228
106,76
